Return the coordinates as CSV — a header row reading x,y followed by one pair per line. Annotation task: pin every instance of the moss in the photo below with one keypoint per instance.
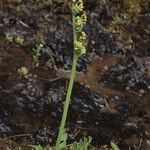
x,y
133,8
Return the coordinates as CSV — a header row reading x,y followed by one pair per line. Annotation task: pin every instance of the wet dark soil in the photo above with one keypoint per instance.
x,y
111,95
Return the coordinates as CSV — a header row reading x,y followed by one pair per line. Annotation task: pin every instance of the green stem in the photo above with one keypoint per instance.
x,y
67,101
14,136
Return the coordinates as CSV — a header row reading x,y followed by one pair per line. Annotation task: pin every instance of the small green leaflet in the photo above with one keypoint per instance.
x,y
63,139
114,146
82,144
37,147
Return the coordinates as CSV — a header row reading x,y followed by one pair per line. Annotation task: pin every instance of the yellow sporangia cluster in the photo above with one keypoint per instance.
x,y
80,20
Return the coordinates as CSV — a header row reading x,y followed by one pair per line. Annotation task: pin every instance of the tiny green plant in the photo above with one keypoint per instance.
x,y
20,40
9,38
37,52
79,19
118,20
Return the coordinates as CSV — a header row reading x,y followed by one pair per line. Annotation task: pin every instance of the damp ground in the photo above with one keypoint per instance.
x,y
111,94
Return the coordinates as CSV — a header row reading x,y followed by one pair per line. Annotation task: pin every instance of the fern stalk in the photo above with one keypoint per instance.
x,y
69,92
78,46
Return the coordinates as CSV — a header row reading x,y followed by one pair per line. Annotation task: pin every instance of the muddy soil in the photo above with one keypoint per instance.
x,y
111,95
